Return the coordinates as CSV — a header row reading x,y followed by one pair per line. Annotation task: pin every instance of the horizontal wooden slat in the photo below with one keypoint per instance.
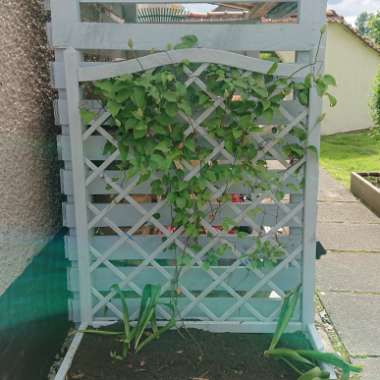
x,y
150,243
100,187
61,111
231,37
218,306
94,146
58,70
194,55
194,279
125,215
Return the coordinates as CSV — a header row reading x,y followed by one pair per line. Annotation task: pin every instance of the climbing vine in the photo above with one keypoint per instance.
x,y
154,117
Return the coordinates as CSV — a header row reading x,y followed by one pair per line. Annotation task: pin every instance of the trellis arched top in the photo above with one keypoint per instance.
x,y
194,55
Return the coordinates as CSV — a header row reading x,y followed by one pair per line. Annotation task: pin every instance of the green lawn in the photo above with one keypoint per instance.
x,y
344,153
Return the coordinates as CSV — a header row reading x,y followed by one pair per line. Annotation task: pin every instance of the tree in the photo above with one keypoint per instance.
x,y
374,27
362,23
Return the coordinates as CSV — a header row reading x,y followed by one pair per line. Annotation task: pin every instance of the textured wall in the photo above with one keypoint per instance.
x,y
29,195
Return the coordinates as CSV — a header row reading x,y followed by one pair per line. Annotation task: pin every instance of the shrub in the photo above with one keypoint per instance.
x,y
375,105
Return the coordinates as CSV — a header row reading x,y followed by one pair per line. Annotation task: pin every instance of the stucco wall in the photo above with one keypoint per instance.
x,y
29,193
354,65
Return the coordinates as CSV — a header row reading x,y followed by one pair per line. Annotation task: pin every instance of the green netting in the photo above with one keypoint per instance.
x,y
33,316
40,292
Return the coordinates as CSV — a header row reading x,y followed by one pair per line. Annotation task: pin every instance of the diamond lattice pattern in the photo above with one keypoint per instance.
x,y
131,246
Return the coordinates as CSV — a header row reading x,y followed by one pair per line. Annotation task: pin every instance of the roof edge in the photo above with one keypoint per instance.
x,y
334,18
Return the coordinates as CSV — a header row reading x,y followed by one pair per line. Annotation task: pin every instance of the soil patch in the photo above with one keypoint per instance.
x,y
185,355
374,179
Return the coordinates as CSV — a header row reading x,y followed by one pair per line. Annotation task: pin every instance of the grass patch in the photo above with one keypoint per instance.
x,y
344,153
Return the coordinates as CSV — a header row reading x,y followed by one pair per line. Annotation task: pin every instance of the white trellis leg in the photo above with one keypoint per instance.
x,y
72,60
312,177
65,14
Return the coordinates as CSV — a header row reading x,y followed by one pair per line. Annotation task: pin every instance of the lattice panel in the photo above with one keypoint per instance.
x,y
131,246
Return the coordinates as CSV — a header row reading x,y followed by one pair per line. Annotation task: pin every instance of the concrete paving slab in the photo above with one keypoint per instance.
x,y
346,212
356,319
347,271
349,237
331,190
371,368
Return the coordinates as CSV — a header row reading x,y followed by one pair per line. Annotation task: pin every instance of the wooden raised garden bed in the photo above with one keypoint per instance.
x,y
366,186
182,355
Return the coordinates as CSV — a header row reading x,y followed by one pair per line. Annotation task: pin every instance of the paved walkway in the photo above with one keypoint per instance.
x,y
348,278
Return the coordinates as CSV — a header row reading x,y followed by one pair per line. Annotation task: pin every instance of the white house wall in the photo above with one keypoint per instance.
x,y
354,65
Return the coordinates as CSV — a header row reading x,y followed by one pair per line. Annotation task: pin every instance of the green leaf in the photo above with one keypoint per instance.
x,y
246,121
101,332
157,158
87,116
330,358
156,187
313,149
237,133
329,80
315,372
180,203
127,327
273,69
242,234
321,87
268,115
171,96
286,314
138,97
163,147
113,108
123,95
131,123
123,152
308,81
303,97
261,91
140,130
130,43
187,42
180,88
108,148
227,224
279,195
288,354
171,109
190,144
105,86
185,260
185,107
332,99
149,302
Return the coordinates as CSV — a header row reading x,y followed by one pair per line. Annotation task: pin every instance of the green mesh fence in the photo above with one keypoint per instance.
x,y
33,316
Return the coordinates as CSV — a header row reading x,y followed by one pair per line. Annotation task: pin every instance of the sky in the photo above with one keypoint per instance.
x,y
350,9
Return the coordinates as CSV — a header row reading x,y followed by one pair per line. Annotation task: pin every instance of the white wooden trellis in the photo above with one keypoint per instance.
x,y
244,304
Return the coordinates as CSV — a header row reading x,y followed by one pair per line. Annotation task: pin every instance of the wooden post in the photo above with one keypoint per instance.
x,y
72,61
312,172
